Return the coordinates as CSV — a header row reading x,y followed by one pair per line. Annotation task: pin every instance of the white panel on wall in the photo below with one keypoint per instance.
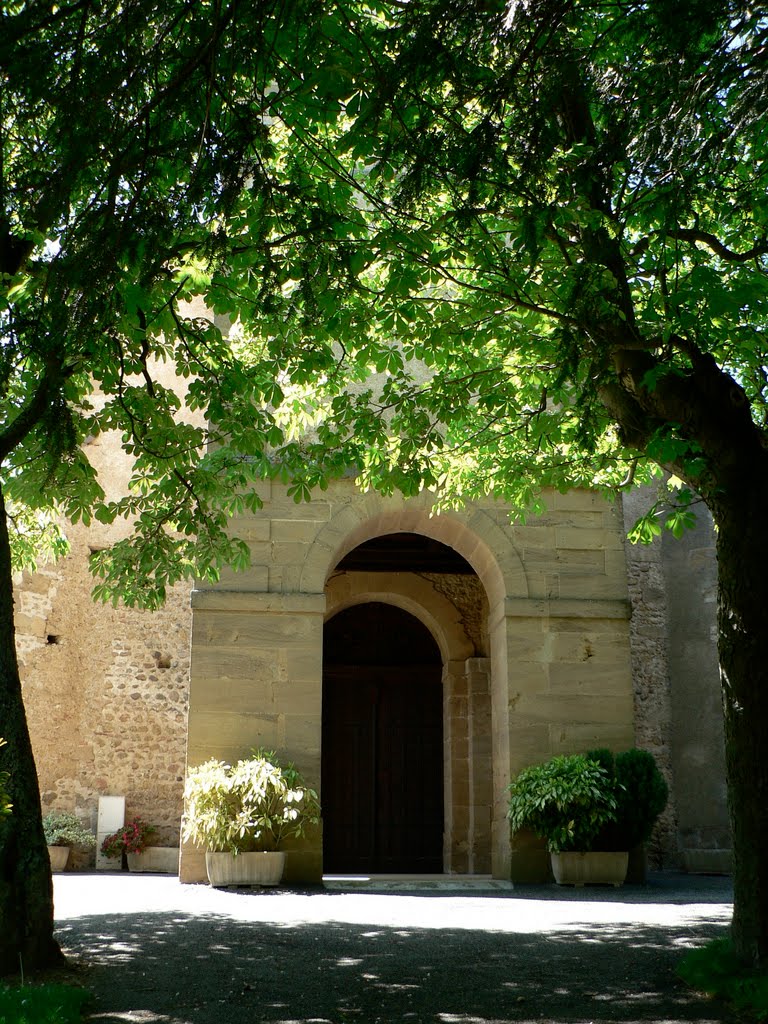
x,y
111,818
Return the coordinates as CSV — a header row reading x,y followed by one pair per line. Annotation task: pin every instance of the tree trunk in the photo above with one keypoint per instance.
x,y
26,889
742,551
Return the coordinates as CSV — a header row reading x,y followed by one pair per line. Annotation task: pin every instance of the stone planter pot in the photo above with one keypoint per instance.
x,y
59,856
158,859
589,868
244,869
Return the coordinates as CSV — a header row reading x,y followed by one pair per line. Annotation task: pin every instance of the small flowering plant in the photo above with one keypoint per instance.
x,y
131,838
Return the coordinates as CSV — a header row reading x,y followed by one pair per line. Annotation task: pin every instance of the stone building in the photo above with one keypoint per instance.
x,y
409,663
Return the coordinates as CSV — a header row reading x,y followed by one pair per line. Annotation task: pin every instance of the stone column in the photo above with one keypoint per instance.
x,y
456,843
479,762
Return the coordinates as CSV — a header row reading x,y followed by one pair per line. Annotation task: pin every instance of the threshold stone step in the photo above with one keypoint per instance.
x,y
416,883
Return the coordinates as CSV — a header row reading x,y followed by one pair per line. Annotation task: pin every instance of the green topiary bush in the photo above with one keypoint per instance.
x,y
592,801
641,796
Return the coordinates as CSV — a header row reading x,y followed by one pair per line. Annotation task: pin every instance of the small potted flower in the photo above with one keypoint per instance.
x,y
132,840
63,831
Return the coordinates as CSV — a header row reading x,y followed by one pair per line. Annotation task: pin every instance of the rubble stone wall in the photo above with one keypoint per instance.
x,y
678,712
106,691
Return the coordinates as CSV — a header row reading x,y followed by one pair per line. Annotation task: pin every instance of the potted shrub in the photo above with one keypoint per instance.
x,y
130,842
241,815
567,801
63,831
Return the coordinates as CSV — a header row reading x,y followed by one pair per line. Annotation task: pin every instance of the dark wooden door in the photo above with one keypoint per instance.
x,y
382,770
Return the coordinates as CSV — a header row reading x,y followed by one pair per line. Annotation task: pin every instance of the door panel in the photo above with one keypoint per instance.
x,y
410,792
348,774
382,769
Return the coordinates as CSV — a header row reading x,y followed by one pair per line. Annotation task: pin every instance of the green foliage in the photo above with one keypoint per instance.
x,y
716,969
641,795
673,511
5,800
592,801
566,801
606,759
436,276
41,1004
517,230
62,828
107,229
254,805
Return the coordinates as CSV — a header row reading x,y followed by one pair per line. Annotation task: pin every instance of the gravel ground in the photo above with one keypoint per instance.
x,y
154,951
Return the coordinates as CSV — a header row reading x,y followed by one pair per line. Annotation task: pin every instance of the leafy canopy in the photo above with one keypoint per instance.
x,y
461,246
537,242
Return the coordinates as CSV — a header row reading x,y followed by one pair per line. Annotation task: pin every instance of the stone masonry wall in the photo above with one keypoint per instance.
x,y
467,594
106,692
678,717
649,642
698,747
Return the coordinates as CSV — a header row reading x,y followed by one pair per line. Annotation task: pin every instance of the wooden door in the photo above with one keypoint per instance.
x,y
382,770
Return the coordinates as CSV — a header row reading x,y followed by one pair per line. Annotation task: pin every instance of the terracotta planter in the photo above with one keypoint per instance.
x,y
59,856
244,869
158,859
589,868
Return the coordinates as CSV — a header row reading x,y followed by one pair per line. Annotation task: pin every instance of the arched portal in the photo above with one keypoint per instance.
x,y
382,743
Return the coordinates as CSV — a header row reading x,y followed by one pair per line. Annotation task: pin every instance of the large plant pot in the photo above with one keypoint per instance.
x,y
589,868
245,868
158,859
59,856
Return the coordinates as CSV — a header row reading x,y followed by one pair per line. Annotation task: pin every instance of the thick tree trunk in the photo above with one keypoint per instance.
x,y
26,891
742,550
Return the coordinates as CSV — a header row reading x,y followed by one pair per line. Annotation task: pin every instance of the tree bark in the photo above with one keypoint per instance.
x,y
26,888
742,552
709,407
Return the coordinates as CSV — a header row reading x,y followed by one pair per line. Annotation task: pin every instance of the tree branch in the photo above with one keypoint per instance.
x,y
713,243
705,238
14,433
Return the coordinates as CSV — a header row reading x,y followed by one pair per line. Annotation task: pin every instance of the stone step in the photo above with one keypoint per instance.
x,y
415,883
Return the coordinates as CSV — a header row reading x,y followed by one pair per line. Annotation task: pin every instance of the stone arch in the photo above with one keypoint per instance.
x,y
469,744
411,593
477,536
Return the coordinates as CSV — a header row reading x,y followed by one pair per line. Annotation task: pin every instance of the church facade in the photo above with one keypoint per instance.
x,y
409,663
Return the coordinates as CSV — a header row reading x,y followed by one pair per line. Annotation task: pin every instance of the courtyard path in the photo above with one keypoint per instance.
x,y
154,951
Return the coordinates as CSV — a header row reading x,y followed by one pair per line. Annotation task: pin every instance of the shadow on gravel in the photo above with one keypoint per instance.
x,y
676,890
176,968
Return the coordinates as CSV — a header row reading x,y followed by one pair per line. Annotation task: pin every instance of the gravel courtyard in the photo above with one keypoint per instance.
x,y
154,951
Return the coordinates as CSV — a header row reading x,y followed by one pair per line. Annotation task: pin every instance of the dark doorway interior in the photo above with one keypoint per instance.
x,y
382,765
